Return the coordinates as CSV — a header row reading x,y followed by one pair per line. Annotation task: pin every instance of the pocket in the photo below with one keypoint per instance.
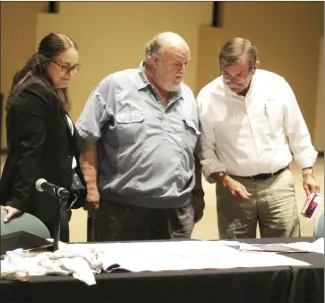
x,y
290,179
273,112
191,133
130,126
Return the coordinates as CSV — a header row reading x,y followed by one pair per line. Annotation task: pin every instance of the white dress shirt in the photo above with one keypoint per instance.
x,y
259,133
74,162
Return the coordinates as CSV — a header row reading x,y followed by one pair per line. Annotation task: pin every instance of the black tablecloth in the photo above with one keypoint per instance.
x,y
307,282
251,285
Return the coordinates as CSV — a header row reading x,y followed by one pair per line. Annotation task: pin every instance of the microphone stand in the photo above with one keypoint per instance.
x,y
57,222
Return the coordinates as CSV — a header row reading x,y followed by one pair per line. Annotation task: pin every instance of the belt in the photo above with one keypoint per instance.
x,y
266,175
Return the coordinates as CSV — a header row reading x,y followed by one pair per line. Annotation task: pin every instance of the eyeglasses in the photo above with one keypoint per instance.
x,y
239,77
67,68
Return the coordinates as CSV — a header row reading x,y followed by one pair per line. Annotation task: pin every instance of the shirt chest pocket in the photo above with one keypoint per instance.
x,y
130,127
274,115
191,134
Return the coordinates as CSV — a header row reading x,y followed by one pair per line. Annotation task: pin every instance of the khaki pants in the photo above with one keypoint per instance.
x,y
272,205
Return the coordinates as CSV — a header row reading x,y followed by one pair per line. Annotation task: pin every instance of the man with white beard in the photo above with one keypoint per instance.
x,y
140,128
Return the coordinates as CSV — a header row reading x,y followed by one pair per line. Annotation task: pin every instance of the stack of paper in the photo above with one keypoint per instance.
x,y
317,246
157,256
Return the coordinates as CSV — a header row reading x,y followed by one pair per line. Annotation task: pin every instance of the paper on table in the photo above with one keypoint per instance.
x,y
273,247
316,246
157,256
249,247
268,259
172,256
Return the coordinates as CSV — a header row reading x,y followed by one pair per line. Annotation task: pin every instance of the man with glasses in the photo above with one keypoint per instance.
x,y
251,129
140,128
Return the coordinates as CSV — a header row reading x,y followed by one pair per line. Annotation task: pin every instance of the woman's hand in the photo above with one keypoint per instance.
x,y
11,212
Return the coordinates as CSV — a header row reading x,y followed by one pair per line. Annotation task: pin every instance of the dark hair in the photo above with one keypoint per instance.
x,y
235,49
50,46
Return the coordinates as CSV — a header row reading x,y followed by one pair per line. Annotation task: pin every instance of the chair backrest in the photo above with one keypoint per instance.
x,y
25,222
319,229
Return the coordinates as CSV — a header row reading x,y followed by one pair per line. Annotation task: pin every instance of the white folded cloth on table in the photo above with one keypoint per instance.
x,y
82,264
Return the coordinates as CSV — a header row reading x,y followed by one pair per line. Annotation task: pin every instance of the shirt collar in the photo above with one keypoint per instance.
x,y
142,81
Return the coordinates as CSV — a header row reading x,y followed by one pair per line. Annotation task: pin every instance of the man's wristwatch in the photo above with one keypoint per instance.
x,y
198,193
216,177
308,171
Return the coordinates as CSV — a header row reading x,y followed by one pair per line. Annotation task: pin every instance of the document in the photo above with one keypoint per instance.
x,y
182,255
316,246
275,248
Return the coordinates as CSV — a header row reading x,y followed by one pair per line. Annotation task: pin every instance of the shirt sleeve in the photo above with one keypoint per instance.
x,y
207,145
98,110
32,112
297,132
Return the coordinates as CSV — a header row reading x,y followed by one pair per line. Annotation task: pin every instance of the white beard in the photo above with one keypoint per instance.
x,y
170,87
173,88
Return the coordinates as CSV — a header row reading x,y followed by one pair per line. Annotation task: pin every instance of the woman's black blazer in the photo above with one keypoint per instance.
x,y
40,145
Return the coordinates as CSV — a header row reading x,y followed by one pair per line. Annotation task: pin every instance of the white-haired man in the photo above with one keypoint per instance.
x,y
140,129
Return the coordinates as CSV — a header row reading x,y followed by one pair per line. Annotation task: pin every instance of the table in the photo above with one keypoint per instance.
x,y
242,285
307,282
